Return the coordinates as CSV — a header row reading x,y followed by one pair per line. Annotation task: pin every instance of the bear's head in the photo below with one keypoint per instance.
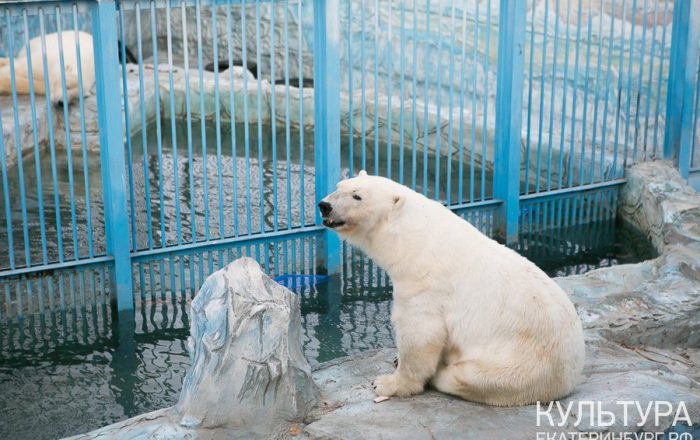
x,y
360,204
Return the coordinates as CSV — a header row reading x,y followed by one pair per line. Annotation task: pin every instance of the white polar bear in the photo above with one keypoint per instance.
x,y
471,316
53,66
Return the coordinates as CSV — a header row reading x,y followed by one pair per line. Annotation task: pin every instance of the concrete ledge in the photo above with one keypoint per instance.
x,y
611,374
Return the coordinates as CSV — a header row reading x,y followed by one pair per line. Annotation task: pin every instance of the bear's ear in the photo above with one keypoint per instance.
x,y
398,201
362,173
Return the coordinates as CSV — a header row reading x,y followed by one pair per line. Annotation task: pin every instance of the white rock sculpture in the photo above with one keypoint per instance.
x,y
249,378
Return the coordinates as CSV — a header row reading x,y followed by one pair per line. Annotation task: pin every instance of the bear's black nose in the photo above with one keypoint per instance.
x,y
325,208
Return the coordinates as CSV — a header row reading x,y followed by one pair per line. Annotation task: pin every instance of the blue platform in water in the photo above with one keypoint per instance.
x,y
294,282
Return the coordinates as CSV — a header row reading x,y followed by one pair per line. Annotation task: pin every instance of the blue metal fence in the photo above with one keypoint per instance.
x,y
683,136
214,126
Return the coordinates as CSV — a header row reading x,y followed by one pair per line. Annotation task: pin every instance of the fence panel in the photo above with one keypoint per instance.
x,y
595,84
595,81
218,143
220,118
417,98
51,206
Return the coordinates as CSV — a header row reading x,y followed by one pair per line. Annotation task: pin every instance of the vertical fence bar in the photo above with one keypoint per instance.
x,y
327,119
509,96
6,200
690,79
676,78
685,49
104,27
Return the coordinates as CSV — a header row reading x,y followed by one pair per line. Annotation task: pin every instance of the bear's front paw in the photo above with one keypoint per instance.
x,y
394,385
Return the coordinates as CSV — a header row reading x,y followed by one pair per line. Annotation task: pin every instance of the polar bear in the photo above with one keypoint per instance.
x,y
472,317
53,66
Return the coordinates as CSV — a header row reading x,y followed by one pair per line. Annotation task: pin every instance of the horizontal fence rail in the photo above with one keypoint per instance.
x,y
161,138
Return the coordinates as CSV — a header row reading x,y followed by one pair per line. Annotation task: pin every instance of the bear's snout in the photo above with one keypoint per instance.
x,y
325,208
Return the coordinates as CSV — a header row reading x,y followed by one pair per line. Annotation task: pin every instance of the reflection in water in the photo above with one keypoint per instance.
x,y
582,248
87,362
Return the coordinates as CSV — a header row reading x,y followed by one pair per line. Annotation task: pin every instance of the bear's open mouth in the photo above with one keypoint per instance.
x,y
332,224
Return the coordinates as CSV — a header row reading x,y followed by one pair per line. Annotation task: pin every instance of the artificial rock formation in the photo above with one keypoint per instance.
x,y
246,352
249,378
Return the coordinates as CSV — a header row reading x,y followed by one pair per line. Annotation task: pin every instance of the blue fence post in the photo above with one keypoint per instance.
x,y
327,120
109,105
685,153
676,75
680,100
509,97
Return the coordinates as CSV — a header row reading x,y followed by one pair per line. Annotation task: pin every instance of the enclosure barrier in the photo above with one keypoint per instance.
x,y
214,126
683,136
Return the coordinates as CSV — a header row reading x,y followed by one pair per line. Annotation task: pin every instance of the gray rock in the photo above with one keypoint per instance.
x,y
658,201
249,378
245,345
653,303
611,374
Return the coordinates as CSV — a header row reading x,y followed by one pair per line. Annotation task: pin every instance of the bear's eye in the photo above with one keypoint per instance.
x,y
356,197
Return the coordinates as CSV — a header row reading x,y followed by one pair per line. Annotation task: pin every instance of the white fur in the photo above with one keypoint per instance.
x,y
471,316
53,66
